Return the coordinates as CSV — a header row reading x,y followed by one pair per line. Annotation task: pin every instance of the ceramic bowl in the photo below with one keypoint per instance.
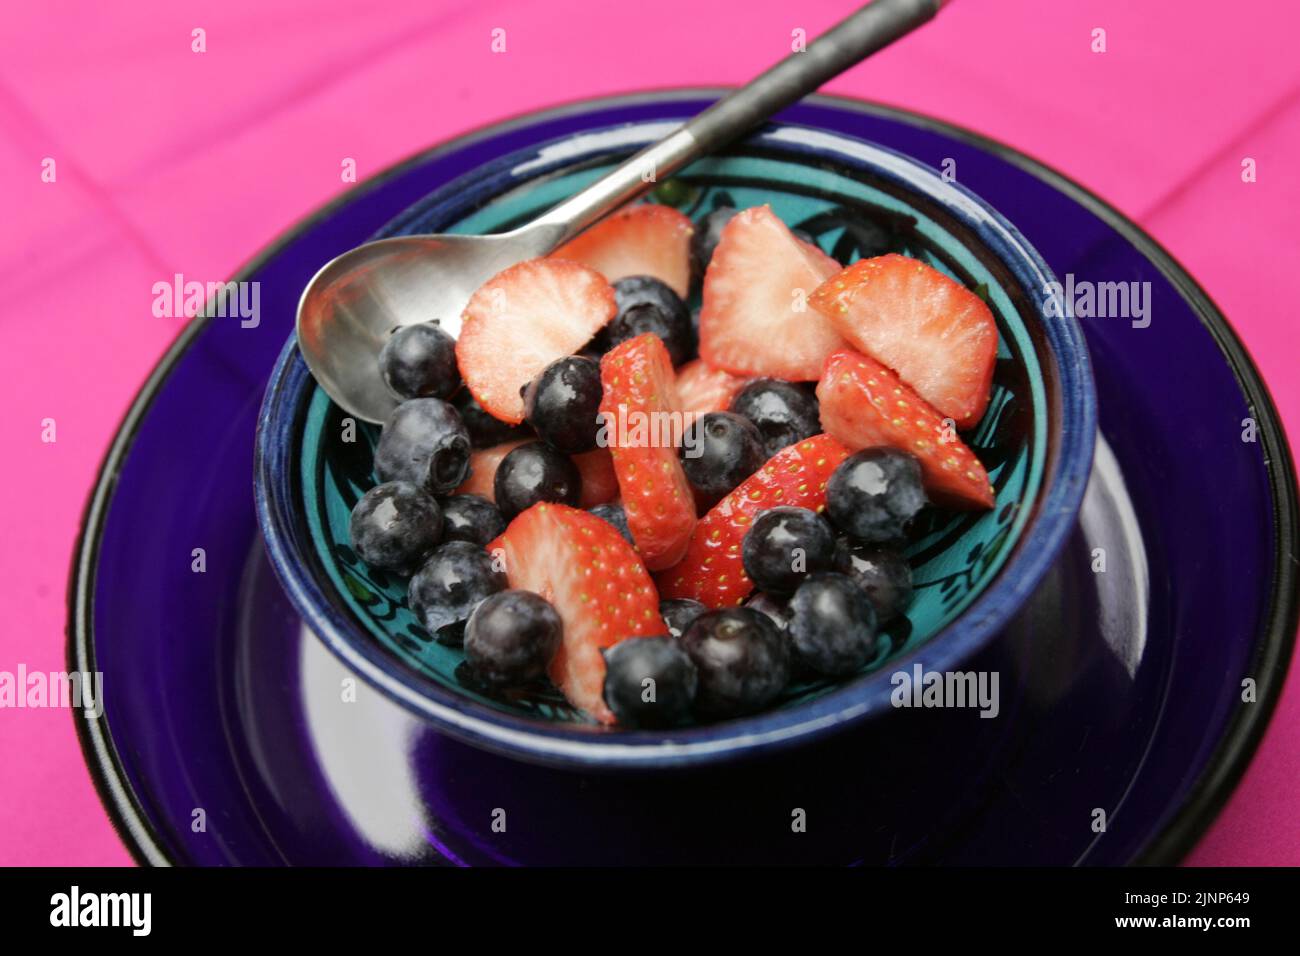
x,y
972,572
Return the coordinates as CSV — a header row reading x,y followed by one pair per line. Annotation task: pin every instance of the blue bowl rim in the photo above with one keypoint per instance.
x,y
1274,642
1065,477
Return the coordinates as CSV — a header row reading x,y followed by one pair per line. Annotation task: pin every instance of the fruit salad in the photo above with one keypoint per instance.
x,y
672,516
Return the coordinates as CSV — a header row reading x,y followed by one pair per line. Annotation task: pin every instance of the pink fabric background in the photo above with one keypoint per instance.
x,y
171,161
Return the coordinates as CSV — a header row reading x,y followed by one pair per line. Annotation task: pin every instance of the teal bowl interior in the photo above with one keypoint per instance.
x,y
955,556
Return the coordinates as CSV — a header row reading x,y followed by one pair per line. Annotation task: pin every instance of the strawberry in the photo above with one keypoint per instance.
x,y
520,321
483,464
599,483
643,424
755,319
864,404
645,240
702,388
712,571
596,582
935,333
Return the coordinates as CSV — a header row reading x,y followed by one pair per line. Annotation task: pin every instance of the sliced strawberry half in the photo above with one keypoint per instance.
x,y
712,571
595,581
483,464
864,404
755,319
701,388
645,240
522,320
935,333
643,422
599,483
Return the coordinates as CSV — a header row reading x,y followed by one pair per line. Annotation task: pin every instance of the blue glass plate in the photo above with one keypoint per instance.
x,y
1120,682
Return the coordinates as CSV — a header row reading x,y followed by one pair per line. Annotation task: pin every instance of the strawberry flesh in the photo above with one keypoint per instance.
x,y
645,240
643,425
712,571
755,319
596,583
864,405
523,319
934,332
599,483
483,464
701,388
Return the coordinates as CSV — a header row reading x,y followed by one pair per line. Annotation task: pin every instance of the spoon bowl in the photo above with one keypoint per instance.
x,y
357,300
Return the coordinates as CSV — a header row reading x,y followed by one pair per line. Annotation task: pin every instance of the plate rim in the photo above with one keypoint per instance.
x,y
1274,644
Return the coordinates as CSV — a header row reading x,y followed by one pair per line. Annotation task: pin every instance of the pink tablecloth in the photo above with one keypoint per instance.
x,y
169,160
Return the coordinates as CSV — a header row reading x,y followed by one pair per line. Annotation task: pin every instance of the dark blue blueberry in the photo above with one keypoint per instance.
x,y
647,305
425,442
743,661
874,494
719,451
784,545
394,525
706,236
882,573
471,518
616,516
784,413
419,361
678,613
771,605
511,638
450,584
535,472
832,625
649,682
485,430
562,404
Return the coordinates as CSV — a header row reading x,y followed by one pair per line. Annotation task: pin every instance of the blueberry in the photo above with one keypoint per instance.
x,y
784,413
719,451
562,404
742,658
874,494
647,305
705,238
784,545
511,638
678,613
451,583
394,525
616,516
649,682
419,361
882,573
485,430
471,518
425,442
832,625
771,605
535,472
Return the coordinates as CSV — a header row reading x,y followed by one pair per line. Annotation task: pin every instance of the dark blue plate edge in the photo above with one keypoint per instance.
x,y
1272,653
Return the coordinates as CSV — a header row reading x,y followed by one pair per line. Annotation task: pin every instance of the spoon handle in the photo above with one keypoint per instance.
x,y
852,40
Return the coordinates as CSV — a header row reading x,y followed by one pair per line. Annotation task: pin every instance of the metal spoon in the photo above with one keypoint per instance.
x,y
356,301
